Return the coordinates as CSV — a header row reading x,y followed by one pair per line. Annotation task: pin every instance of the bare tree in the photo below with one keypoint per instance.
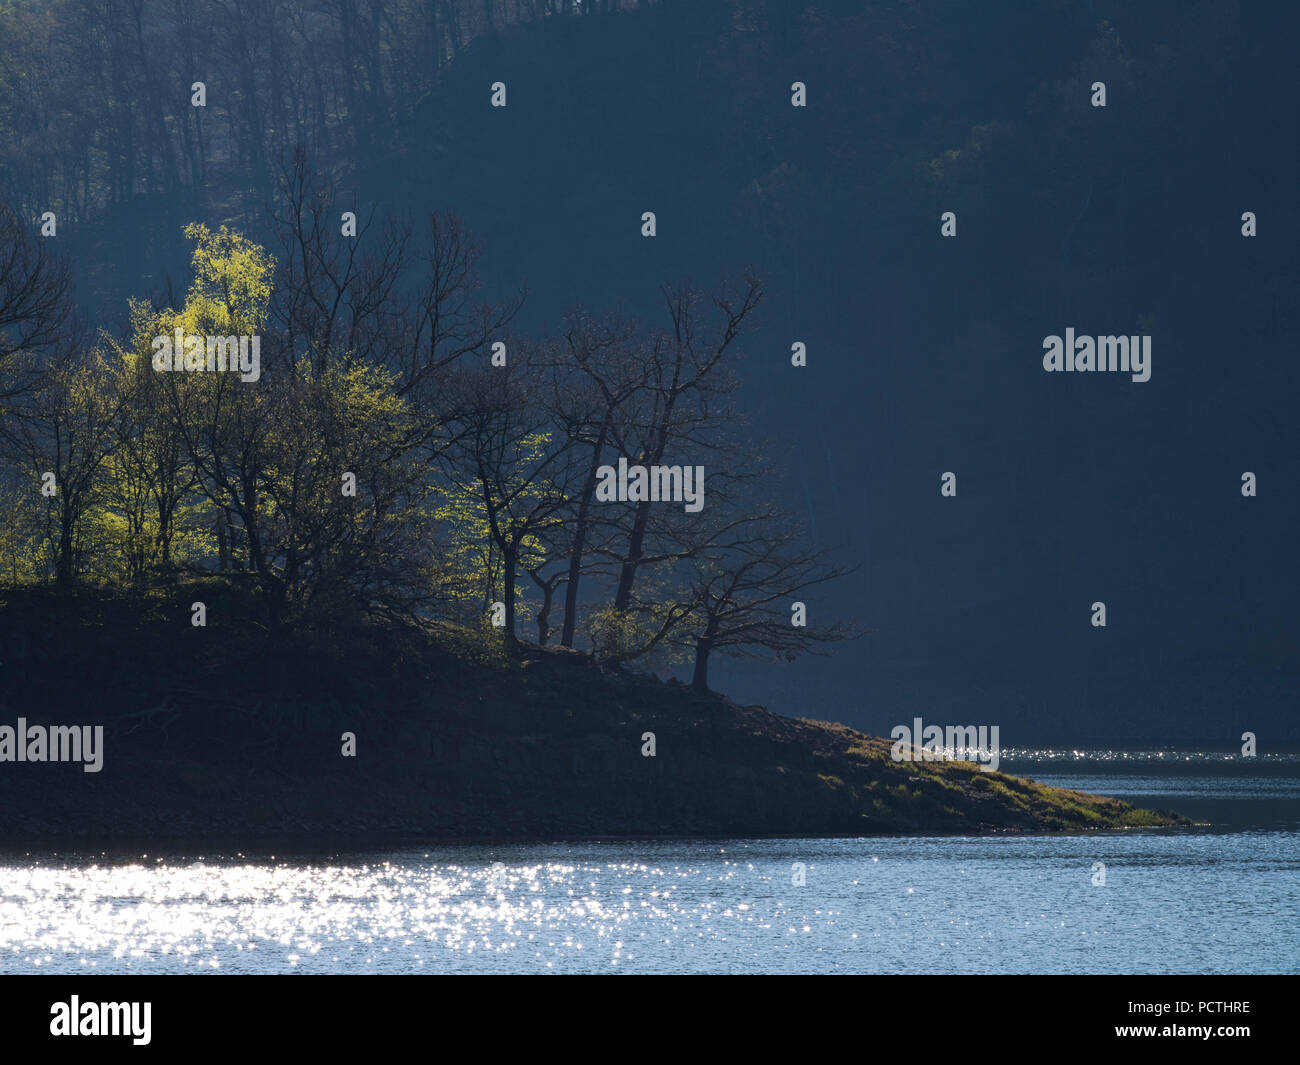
x,y
505,454
449,320
337,297
35,303
682,406
594,374
743,592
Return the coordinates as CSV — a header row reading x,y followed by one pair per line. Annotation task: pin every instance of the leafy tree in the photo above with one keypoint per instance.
x,y
65,428
503,454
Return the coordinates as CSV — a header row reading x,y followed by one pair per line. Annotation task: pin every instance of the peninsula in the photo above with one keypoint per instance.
x,y
238,733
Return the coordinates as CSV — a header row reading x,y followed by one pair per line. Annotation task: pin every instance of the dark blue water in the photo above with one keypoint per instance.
x,y
1223,897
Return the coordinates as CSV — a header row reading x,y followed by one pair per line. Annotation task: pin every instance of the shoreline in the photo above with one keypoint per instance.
x,y
423,733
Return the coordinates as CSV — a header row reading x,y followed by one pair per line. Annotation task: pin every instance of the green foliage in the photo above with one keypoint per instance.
x,y
615,633
631,635
474,577
26,552
350,477
199,471
232,283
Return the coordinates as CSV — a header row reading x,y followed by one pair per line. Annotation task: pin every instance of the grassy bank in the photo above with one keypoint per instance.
x,y
235,730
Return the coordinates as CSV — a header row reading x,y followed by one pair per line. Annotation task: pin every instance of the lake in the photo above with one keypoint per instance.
x,y
1218,898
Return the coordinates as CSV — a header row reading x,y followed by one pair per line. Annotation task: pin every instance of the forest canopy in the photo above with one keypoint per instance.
x,y
399,449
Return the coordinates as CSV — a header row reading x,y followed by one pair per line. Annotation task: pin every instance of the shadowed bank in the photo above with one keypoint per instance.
x,y
236,731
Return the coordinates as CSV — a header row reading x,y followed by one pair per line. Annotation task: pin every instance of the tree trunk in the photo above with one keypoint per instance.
x,y
63,560
509,562
627,575
580,543
543,616
632,560
700,678
223,543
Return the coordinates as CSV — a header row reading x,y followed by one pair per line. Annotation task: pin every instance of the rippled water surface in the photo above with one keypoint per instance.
x,y
1219,898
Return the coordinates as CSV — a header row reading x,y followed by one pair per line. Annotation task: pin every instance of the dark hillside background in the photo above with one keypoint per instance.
x,y
924,353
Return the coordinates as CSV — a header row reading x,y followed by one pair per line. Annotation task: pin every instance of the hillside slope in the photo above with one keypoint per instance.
x,y
232,731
